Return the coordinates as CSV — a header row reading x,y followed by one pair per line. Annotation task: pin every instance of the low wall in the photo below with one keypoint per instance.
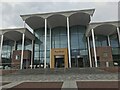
x,y
6,72
111,69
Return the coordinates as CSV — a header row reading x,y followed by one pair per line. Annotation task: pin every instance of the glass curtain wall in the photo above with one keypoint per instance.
x,y
100,41
39,46
79,52
19,45
28,44
59,37
115,49
7,52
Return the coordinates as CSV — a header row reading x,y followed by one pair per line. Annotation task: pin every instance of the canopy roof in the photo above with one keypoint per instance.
x,y
103,28
16,34
54,19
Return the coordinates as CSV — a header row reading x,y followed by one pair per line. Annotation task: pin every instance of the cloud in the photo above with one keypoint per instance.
x,y
11,11
106,11
59,0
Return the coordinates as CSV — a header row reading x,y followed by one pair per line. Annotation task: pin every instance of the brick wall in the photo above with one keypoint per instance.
x,y
104,54
16,57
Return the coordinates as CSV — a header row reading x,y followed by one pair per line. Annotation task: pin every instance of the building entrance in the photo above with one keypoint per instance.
x,y
59,61
59,58
80,62
77,62
26,63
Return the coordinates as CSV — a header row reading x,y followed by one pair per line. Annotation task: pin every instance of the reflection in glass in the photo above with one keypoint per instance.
x,y
79,53
59,37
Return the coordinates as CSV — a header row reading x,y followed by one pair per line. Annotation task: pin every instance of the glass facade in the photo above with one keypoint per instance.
x,y
8,48
39,46
59,37
100,41
27,45
78,43
7,51
115,48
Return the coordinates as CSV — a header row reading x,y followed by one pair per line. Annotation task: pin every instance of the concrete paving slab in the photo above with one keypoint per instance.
x,y
69,85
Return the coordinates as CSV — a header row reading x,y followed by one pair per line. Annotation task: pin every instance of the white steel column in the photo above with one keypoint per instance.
x,y
32,54
89,51
68,34
45,43
1,48
108,41
50,39
118,34
15,44
50,46
94,48
23,41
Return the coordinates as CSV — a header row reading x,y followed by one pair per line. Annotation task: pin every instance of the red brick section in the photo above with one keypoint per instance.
x,y
98,85
38,86
26,56
111,69
6,72
100,51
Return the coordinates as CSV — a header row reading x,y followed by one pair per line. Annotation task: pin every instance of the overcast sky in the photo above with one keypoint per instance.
x,y
11,11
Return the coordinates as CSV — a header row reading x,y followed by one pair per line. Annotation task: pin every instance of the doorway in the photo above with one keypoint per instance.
x,y
26,63
59,61
73,62
77,62
80,62
59,58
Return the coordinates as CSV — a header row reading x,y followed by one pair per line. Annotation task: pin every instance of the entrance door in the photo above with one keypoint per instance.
x,y
80,62
59,61
77,62
26,63
73,62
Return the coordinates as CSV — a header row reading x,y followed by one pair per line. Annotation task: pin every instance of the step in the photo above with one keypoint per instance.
x,y
61,71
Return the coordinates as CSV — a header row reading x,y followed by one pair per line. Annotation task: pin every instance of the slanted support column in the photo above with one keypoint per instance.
x,y
94,47
89,51
32,54
118,32
108,40
1,48
68,36
23,41
45,43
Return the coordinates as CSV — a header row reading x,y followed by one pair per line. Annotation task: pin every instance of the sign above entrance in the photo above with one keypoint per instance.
x,y
59,51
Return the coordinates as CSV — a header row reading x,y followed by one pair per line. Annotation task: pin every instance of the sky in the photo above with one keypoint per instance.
x,y
10,10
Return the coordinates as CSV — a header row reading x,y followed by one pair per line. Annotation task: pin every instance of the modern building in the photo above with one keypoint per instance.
x,y
61,40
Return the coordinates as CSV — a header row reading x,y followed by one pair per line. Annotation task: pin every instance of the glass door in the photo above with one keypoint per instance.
x,y
80,62
59,61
